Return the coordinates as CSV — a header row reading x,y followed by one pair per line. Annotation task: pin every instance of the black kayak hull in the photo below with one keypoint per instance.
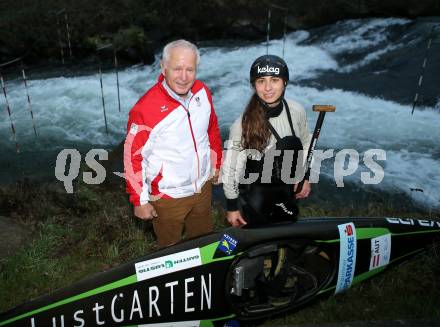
x,y
241,274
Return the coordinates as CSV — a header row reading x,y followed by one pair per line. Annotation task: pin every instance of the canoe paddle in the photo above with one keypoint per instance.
x,y
322,109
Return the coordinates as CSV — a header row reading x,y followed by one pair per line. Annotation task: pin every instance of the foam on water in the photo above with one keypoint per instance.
x,y
362,123
70,109
358,35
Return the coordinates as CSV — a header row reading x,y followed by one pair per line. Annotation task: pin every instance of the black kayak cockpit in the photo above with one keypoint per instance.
x,y
275,277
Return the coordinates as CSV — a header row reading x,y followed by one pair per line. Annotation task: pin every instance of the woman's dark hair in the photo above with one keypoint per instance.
x,y
255,127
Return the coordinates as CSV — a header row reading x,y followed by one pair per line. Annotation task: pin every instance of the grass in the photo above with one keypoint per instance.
x,y
73,237
93,230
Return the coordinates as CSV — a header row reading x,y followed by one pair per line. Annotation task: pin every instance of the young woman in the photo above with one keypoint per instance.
x,y
267,150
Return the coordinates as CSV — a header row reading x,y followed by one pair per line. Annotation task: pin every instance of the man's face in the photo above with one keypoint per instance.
x,y
180,70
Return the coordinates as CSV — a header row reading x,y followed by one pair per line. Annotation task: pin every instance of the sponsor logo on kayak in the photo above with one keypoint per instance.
x,y
168,264
227,244
380,251
347,256
268,69
349,230
414,222
122,307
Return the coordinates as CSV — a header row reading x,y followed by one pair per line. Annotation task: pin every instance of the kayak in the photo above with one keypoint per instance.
x,y
234,275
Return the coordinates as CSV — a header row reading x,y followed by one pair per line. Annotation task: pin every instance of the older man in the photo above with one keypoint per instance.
x,y
173,149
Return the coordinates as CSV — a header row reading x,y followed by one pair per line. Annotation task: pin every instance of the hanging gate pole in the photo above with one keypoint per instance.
x,y
28,97
269,15
68,34
117,80
102,87
102,98
60,43
268,30
284,33
8,109
425,60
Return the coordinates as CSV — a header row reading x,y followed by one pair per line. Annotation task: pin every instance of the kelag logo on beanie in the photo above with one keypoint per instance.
x,y
268,69
269,65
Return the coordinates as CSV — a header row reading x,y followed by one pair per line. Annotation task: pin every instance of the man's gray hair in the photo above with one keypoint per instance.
x,y
179,44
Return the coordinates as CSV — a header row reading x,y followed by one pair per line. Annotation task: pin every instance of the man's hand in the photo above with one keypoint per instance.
x,y
235,218
305,192
215,178
145,212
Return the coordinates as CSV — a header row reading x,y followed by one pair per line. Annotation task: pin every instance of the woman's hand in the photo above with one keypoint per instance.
x,y
235,218
305,191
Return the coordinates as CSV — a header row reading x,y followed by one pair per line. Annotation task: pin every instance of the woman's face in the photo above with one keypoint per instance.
x,y
269,89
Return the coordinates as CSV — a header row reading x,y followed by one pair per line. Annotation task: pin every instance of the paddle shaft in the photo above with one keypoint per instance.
x,y
322,109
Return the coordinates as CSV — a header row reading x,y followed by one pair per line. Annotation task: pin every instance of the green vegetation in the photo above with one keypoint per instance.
x,y
74,236
93,230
